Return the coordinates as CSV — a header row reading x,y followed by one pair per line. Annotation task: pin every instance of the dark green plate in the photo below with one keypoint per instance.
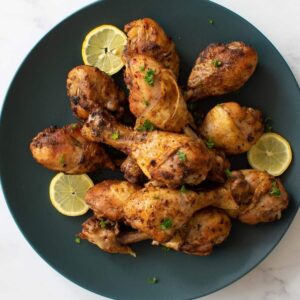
x,y
37,98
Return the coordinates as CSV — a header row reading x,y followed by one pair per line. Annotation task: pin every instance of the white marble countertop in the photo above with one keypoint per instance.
x,y
23,274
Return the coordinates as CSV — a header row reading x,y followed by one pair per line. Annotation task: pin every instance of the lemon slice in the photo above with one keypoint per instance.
x,y
271,153
103,48
67,193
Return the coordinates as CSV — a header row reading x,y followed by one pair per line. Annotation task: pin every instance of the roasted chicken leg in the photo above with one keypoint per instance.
x,y
66,150
89,88
146,37
221,69
155,95
170,158
232,128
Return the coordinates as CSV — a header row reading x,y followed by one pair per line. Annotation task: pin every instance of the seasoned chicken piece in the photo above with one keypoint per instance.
x,y
263,200
146,37
104,235
170,158
221,69
155,95
108,198
220,163
207,227
66,150
233,128
89,88
132,171
155,211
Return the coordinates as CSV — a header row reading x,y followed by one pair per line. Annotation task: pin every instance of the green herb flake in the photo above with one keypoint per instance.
x,y
62,160
181,155
211,22
166,249
146,102
147,126
149,76
228,173
217,63
152,280
275,191
74,126
115,135
210,143
183,189
268,124
142,68
103,223
77,240
166,223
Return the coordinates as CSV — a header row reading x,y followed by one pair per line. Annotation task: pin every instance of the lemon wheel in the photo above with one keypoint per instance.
x,y
67,193
271,153
103,48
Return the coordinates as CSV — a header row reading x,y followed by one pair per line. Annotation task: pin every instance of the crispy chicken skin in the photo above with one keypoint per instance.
x,y
89,88
146,37
105,237
233,128
66,150
132,171
207,227
159,100
261,197
221,69
170,158
108,198
147,209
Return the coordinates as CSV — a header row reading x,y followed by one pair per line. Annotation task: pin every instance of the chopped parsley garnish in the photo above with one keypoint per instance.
x,y
152,280
275,191
216,63
74,126
164,248
142,68
115,135
149,76
62,160
211,22
166,223
103,223
228,173
77,240
210,143
268,124
183,189
181,155
147,126
146,102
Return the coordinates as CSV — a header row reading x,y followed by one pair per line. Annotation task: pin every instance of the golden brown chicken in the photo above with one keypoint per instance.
x,y
89,88
221,69
66,150
155,95
146,37
131,170
157,212
263,200
207,228
103,233
170,158
232,128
